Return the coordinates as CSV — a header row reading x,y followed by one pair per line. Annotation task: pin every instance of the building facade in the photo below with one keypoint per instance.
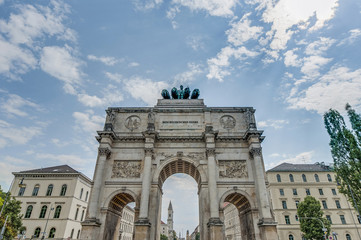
x,y
54,201
126,230
289,184
232,224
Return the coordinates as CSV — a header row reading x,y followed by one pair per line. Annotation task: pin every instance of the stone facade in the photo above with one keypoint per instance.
x,y
140,148
232,224
289,184
58,195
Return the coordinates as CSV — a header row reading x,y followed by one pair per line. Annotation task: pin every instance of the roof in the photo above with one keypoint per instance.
x,y
289,167
170,206
56,169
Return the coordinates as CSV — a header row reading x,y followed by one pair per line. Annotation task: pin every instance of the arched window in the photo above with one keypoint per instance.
x,y
304,178
63,190
86,196
52,233
291,178
348,237
72,233
28,211
76,213
78,235
43,211
82,215
81,193
37,232
36,190
278,178
57,212
329,178
316,178
290,237
50,190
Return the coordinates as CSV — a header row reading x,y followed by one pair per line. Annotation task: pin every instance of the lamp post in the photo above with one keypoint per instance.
x,y
323,225
46,224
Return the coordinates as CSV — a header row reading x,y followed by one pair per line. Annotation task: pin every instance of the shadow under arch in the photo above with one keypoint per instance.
x,y
179,165
243,205
116,203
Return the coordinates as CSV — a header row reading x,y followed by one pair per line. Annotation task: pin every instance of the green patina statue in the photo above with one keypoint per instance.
x,y
180,94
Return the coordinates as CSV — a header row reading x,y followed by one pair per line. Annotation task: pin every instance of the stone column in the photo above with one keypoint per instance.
x,y
90,227
215,225
142,225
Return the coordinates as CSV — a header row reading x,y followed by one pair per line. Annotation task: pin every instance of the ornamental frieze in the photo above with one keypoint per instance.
x,y
126,169
227,122
233,169
132,122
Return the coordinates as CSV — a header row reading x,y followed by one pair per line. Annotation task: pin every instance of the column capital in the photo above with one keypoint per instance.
x,y
210,152
256,151
103,151
149,152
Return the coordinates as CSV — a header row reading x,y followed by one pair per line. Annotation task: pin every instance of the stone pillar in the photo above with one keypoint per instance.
x,y
142,225
215,225
91,225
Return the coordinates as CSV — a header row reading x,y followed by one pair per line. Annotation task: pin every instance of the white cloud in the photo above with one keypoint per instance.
x,y
133,64
144,89
111,95
63,159
284,15
195,42
8,165
218,65
116,77
242,31
15,105
291,58
61,64
144,5
312,64
276,124
303,158
88,122
221,8
334,89
353,35
11,134
189,76
320,46
110,61
59,143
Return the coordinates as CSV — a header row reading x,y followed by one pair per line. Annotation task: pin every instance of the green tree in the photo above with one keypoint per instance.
x,y
310,216
198,236
163,237
12,209
346,152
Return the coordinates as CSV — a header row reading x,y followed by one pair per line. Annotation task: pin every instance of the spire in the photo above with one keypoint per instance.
x,y
170,206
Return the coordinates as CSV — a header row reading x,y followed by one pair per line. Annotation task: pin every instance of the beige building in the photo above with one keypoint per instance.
x,y
289,184
231,223
53,201
126,224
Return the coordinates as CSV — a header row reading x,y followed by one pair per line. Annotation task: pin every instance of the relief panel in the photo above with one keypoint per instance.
x,y
233,169
126,169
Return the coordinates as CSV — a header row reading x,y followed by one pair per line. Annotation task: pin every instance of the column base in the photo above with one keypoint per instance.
x,y
268,229
90,229
142,229
215,229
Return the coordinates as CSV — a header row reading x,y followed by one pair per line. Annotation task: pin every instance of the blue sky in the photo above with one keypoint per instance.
x,y
62,63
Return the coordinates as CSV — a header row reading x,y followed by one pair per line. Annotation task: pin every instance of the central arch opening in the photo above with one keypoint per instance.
x,y
180,181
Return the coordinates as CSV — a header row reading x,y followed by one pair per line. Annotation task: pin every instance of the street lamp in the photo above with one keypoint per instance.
x,y
46,224
334,235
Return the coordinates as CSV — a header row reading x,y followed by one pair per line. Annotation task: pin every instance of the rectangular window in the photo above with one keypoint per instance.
x,y
343,220
320,191
294,191
35,191
308,192
287,219
338,205
334,191
297,202
324,204
282,193
284,204
328,217
21,191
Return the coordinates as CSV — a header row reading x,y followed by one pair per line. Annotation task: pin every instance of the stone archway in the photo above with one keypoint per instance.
x,y
114,214
244,211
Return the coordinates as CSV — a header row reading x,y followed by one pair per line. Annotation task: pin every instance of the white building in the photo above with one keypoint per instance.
x,y
53,201
232,223
127,223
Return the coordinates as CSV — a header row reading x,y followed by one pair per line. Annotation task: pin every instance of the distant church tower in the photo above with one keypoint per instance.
x,y
170,220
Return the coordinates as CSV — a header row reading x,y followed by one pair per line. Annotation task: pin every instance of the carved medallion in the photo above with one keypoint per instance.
x,y
126,169
132,122
228,122
233,169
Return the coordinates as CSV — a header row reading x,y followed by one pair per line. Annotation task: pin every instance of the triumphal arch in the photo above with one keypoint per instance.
x,y
140,147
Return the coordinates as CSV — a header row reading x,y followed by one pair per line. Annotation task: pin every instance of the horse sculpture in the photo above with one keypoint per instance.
x,y
180,94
